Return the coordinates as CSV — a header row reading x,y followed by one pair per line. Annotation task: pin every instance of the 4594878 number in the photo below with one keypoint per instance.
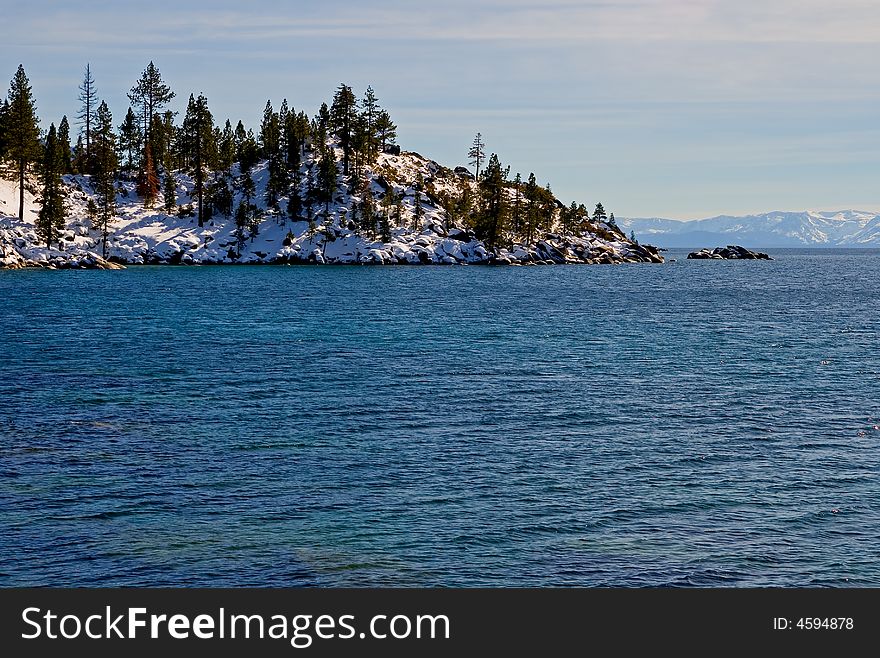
x,y
826,623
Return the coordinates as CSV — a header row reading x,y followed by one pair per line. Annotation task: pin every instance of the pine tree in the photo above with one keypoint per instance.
x,y
371,109
79,165
270,138
569,219
169,189
388,202
105,166
198,127
327,174
65,155
4,130
417,204
129,141
226,147
292,143
368,210
548,208
88,97
599,213
342,116
477,154
162,141
493,195
150,94
22,131
517,211
323,124
50,221
247,189
148,181
242,221
386,130
531,195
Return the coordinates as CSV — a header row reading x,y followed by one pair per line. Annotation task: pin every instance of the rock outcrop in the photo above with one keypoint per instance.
x,y
730,252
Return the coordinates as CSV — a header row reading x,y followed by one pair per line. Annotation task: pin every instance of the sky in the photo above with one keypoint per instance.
x,y
657,108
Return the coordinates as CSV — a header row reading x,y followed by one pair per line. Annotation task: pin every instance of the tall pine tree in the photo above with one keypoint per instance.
x,y
105,167
342,118
493,197
88,97
22,131
148,181
477,154
198,127
50,220
129,141
150,94
65,154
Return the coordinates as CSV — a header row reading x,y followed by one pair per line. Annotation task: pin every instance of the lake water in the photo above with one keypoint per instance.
x,y
700,423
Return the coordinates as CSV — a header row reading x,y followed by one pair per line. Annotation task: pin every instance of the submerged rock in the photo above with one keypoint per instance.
x,y
730,252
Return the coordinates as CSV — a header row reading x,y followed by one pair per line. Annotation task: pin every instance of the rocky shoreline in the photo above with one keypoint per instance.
x,y
730,252
337,247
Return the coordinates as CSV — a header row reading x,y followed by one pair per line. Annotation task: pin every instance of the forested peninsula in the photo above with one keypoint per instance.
x,y
94,191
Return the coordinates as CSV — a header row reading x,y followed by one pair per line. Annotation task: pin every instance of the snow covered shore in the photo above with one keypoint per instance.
x,y
150,236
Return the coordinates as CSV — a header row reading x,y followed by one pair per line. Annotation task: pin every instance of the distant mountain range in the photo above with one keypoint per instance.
x,y
844,228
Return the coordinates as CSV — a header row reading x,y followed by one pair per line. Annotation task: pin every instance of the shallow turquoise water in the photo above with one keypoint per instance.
x,y
698,423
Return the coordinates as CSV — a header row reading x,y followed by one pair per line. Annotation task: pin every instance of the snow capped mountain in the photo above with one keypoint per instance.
x,y
844,228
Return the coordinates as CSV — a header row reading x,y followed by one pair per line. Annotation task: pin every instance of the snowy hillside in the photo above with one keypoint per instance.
x,y
845,228
150,236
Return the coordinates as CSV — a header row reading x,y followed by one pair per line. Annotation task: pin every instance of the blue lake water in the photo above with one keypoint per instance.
x,y
700,423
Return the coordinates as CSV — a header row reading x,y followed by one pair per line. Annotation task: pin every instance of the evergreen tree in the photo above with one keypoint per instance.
x,y
22,131
388,202
548,208
105,166
79,153
517,209
198,127
368,210
371,110
162,141
632,237
247,190
4,130
386,130
50,221
226,147
418,212
294,203
599,213
270,137
169,189
323,124
65,155
148,181
242,221
342,117
477,154
327,174
569,218
150,94
88,97
129,141
493,195
531,195
220,198
292,142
